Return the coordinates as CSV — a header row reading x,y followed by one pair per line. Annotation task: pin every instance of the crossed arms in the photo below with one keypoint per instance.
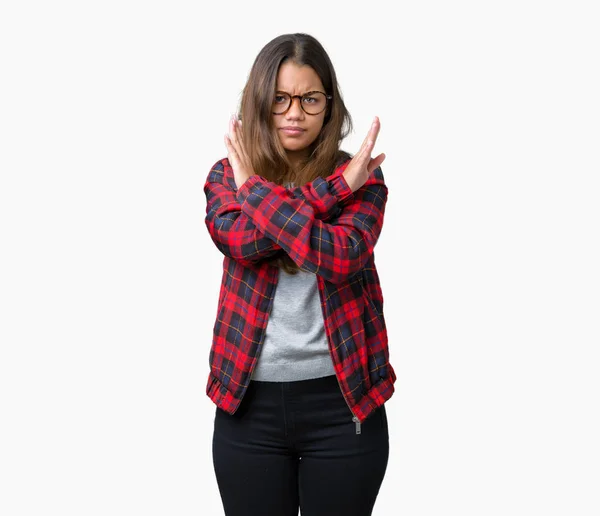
x,y
323,226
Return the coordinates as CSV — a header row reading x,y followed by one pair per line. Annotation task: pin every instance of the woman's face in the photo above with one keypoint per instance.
x,y
297,80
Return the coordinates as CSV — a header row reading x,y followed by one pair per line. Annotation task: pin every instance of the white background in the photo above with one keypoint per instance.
x,y
111,115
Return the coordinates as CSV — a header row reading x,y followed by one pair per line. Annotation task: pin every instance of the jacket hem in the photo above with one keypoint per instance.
x,y
374,398
220,394
369,403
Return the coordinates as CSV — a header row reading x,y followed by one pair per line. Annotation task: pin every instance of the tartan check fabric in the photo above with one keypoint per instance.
x,y
326,229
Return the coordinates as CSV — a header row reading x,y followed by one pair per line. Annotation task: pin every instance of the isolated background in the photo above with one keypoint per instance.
x,y
111,115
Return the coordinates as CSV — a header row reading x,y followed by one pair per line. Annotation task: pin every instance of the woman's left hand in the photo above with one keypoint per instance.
x,y
236,152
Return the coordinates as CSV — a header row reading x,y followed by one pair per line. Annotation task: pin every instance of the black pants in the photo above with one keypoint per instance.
x,y
294,445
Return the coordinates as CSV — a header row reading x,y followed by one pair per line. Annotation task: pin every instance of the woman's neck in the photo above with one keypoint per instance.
x,y
298,158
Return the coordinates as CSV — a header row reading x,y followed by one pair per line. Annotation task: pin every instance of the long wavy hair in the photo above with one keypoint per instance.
x,y
266,153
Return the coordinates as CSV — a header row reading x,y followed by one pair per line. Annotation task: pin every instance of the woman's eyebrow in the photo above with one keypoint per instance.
x,y
307,91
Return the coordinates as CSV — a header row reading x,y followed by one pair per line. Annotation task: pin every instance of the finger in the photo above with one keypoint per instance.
x,y
228,145
373,132
363,148
371,137
232,132
235,140
364,143
232,153
375,127
364,155
238,143
375,162
240,134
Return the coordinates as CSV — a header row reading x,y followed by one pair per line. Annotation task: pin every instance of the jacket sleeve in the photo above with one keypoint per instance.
x,y
327,196
232,231
335,250
235,234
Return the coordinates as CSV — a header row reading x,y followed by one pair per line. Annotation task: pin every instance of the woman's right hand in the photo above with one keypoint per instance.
x,y
362,165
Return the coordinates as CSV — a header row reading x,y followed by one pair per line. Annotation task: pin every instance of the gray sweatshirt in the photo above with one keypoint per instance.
x,y
295,344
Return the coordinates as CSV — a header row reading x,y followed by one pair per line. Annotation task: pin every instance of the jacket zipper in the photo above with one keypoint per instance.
x,y
355,419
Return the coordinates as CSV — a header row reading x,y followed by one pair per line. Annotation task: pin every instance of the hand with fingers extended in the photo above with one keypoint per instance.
x,y
236,152
362,165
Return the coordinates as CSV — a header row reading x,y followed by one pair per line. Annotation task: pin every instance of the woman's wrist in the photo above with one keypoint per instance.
x,y
349,181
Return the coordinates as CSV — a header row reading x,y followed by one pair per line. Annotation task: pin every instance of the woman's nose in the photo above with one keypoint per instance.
x,y
295,108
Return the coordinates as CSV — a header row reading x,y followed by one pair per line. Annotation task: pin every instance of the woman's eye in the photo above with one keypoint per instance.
x,y
309,98
278,98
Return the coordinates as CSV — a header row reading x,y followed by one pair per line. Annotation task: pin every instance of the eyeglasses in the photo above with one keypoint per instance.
x,y
312,102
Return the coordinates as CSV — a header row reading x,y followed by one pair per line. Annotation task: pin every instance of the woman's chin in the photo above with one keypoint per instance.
x,y
292,146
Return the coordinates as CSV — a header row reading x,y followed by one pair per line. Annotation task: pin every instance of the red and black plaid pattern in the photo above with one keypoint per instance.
x,y
326,229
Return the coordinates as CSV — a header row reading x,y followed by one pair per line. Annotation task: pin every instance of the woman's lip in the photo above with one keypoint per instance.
x,y
292,130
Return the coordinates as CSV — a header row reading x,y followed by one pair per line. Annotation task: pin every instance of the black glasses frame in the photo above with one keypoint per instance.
x,y
292,97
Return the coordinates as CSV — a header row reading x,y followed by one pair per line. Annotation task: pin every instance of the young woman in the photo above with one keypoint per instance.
x,y
299,363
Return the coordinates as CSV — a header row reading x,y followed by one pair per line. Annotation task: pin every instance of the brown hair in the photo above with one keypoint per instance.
x,y
266,153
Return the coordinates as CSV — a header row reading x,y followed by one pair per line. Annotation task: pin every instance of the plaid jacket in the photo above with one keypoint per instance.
x,y
326,229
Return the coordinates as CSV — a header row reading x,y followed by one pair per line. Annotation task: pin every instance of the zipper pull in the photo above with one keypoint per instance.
x,y
357,421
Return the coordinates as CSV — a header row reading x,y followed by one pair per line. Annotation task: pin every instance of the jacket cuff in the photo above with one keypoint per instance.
x,y
337,186
340,189
244,190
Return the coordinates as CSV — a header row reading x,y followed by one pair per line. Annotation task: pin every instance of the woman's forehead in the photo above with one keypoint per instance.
x,y
297,79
